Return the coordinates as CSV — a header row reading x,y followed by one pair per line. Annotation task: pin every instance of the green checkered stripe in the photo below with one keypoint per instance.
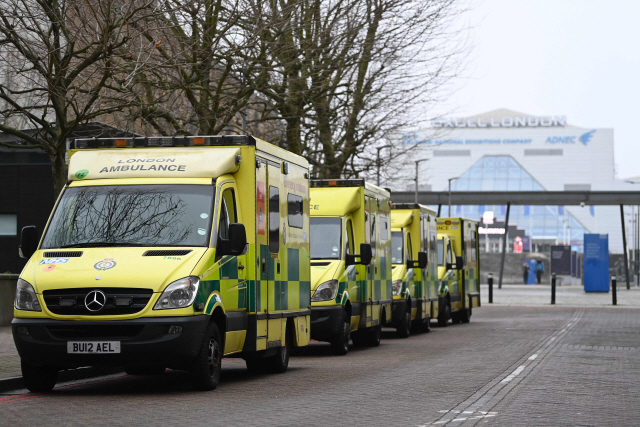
x,y
293,290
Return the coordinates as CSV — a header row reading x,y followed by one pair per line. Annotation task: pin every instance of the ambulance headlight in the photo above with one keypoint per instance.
x,y
326,291
179,294
26,298
396,287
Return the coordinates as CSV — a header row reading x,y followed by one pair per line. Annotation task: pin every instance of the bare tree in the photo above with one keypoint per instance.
x,y
58,58
348,75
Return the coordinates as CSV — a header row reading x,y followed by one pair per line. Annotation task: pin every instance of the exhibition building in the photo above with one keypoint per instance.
x,y
504,150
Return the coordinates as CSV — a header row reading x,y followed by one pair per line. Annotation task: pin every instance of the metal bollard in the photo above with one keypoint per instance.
x,y
614,290
490,279
553,288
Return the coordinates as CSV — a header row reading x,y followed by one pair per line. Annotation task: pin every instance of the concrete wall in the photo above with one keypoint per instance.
x,y
7,297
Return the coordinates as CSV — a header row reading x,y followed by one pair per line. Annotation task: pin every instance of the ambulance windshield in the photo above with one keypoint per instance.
x,y
131,215
396,247
325,238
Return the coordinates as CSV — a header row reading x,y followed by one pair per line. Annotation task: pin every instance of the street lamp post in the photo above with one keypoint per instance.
x,y
451,179
417,163
378,162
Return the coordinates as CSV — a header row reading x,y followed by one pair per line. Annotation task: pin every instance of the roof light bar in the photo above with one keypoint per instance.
x,y
165,141
316,183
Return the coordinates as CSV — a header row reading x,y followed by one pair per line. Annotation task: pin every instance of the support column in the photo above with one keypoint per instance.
x,y
438,215
624,247
504,245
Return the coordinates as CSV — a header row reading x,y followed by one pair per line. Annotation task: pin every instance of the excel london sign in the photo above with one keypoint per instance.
x,y
501,122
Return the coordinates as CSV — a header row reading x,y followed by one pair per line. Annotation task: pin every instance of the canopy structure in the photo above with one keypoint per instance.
x,y
508,198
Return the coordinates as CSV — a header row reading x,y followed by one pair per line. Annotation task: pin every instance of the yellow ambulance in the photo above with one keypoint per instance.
x,y
168,253
458,269
350,262
415,267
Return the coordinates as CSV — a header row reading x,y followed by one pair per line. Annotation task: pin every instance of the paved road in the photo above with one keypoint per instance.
x,y
509,366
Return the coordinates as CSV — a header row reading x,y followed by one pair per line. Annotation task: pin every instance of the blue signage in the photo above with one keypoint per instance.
x,y
596,263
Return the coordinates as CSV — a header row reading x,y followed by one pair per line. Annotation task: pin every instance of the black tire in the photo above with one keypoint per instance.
x,y
425,326
39,379
278,363
340,343
404,326
144,370
455,317
445,314
465,315
359,339
205,369
256,366
373,335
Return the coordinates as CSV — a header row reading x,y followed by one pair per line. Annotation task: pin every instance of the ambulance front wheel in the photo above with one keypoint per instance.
x,y
39,379
205,370
340,343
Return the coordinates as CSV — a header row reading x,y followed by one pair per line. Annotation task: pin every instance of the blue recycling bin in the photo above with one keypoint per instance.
x,y
596,263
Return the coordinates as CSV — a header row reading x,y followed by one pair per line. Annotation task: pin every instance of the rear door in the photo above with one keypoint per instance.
x,y
276,287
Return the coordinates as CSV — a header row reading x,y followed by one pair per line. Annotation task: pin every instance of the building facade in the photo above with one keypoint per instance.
x,y
503,150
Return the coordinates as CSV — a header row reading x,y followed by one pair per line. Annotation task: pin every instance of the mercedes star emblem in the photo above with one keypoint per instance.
x,y
95,300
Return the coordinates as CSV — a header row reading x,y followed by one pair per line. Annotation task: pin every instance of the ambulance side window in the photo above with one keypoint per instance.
x,y
384,228
227,213
274,219
350,242
294,206
409,248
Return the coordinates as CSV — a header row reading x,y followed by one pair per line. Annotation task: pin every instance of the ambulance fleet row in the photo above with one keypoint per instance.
x,y
176,252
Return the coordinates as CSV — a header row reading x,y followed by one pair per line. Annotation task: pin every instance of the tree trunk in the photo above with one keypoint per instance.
x,y
59,171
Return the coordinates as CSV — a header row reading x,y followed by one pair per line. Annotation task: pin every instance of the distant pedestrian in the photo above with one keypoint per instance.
x,y
525,272
539,269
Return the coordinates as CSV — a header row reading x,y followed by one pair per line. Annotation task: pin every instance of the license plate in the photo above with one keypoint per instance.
x,y
93,347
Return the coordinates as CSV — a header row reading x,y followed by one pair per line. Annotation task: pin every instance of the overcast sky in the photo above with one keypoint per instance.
x,y
577,58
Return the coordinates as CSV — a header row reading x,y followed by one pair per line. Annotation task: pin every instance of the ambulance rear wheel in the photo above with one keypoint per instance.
x,y
340,343
278,363
359,339
205,370
445,314
39,379
425,326
404,326
465,315
373,335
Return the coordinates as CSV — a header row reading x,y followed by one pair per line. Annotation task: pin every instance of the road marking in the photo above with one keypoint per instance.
x,y
514,374
533,357
479,415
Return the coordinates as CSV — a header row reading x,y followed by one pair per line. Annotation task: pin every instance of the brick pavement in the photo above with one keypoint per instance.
x,y
585,371
9,359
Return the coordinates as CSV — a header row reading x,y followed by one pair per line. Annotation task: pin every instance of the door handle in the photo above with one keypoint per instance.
x,y
241,267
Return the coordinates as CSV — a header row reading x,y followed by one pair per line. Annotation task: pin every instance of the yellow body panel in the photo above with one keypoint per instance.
x,y
254,288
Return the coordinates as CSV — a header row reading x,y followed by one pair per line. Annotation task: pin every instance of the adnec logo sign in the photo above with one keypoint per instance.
x,y
584,138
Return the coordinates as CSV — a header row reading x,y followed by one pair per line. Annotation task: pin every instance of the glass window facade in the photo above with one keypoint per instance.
x,y
503,173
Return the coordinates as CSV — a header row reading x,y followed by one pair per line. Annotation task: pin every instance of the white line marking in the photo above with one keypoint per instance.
x,y
533,357
512,375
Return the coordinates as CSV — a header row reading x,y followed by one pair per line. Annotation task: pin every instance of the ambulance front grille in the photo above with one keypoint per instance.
x,y
119,301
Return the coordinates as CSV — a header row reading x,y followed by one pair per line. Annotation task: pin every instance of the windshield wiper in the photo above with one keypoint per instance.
x,y
100,245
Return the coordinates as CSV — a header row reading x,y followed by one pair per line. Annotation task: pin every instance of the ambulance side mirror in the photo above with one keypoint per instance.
x,y
28,241
459,263
237,239
365,256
